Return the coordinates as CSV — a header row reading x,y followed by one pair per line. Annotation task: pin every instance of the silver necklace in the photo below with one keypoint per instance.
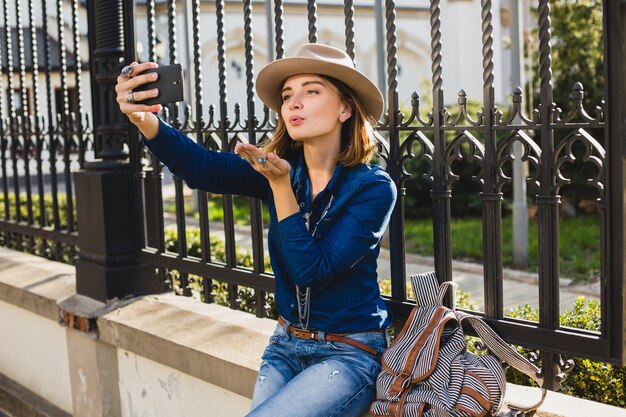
x,y
303,298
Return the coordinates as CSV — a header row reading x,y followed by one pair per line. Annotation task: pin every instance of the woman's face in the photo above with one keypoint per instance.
x,y
312,108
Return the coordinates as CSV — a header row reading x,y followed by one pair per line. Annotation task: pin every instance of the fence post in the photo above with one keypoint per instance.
x,y
614,288
108,239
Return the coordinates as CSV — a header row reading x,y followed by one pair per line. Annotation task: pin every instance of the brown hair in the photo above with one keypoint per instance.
x,y
358,142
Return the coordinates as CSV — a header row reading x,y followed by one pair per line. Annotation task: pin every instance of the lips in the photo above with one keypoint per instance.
x,y
295,120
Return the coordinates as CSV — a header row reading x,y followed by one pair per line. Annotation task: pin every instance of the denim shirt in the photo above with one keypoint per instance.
x,y
335,256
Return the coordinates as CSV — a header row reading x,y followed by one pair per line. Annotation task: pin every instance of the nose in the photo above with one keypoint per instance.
x,y
295,103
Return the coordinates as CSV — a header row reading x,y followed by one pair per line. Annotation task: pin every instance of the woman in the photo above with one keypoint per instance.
x,y
328,211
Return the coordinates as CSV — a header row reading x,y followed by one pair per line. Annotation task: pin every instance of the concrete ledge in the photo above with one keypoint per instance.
x,y
561,405
34,283
20,402
210,342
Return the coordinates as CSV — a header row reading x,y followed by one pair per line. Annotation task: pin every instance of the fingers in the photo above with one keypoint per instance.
x,y
128,84
282,165
250,153
138,69
142,95
135,108
270,165
136,81
125,86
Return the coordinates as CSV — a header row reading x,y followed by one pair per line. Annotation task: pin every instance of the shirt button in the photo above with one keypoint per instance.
x,y
292,306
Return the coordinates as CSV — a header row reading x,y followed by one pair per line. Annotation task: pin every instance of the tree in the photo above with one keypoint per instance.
x,y
577,56
577,51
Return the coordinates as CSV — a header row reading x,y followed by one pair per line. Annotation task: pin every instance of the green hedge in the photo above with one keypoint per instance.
x,y
36,208
36,245
591,380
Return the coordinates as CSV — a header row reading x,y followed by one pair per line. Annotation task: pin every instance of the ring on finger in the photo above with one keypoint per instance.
x,y
129,97
260,160
127,72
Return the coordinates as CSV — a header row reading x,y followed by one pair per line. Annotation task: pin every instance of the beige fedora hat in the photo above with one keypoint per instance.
x,y
315,58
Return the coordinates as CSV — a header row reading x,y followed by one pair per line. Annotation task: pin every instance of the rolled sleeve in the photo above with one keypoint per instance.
x,y
292,225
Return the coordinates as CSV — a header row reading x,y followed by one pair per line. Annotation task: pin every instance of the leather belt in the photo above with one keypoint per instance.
x,y
329,337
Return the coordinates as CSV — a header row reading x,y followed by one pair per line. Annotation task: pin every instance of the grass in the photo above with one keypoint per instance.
x,y
579,243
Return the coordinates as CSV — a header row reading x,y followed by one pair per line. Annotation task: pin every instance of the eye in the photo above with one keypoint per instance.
x,y
286,97
311,91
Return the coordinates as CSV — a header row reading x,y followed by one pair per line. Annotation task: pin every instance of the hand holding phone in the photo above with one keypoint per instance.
x,y
169,83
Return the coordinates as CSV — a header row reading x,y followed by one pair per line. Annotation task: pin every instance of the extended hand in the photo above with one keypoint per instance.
x,y
274,168
126,98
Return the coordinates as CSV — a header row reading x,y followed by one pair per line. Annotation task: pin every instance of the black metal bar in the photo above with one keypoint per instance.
x,y
51,132
65,122
279,28
153,175
37,131
4,143
203,211
153,191
440,192
24,120
223,127
39,232
181,226
256,218
78,124
547,200
396,223
348,11
13,134
311,6
491,198
613,284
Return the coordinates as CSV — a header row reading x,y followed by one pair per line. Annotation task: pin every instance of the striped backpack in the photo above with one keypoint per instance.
x,y
427,370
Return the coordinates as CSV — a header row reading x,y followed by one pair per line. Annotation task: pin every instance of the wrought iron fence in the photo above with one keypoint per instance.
x,y
44,129
441,135
489,135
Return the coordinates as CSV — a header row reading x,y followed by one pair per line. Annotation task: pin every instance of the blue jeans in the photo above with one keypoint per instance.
x,y
316,378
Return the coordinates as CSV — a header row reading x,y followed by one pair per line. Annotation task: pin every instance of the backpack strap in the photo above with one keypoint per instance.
x,y
506,353
423,351
425,289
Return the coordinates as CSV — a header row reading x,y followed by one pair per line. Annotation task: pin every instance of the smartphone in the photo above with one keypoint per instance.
x,y
169,83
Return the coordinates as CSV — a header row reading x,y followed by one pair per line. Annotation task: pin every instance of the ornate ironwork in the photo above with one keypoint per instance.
x,y
531,153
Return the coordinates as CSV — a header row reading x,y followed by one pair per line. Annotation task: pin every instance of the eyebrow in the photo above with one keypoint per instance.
x,y
304,84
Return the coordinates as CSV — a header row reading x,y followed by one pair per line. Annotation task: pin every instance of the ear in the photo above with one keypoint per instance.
x,y
345,112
